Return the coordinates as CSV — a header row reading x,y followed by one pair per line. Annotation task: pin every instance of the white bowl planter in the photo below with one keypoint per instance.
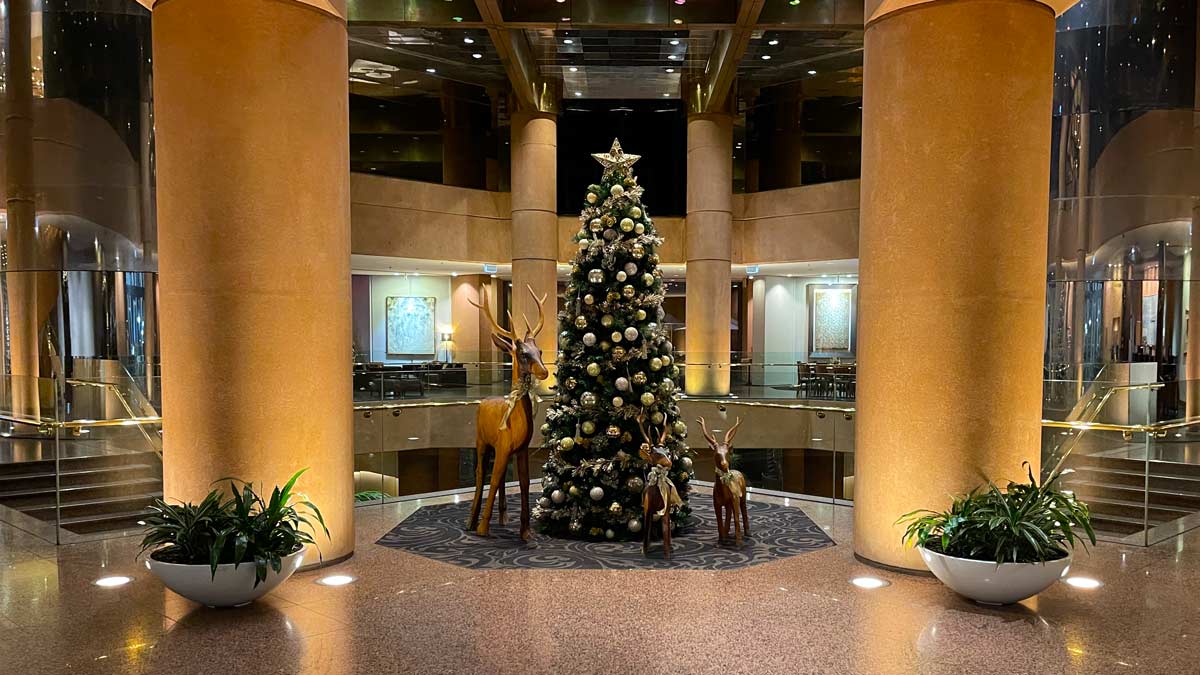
x,y
994,584
230,588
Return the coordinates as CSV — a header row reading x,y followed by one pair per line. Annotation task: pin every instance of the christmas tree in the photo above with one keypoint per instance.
x,y
614,369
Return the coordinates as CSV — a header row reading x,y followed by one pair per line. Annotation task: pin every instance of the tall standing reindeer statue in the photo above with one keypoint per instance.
x,y
660,495
729,487
504,424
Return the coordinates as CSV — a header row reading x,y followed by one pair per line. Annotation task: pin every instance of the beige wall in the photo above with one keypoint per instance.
x,y
411,219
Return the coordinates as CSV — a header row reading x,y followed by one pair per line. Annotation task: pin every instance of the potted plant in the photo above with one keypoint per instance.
x,y
1001,546
230,552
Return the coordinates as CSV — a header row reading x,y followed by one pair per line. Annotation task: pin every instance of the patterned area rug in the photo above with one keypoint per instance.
x,y
439,532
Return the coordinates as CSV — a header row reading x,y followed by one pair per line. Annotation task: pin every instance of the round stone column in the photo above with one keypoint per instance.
x,y
251,108
535,227
709,249
955,176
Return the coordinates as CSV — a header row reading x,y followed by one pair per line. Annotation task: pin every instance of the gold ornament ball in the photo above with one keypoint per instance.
x,y
588,427
621,276
626,225
618,401
567,443
655,363
616,336
666,359
657,418
613,295
647,399
640,314
605,345
618,353
648,279
574,491
680,428
639,377
637,251
591,197
593,369
617,190
639,229
628,291
636,212
595,225
626,437
581,321
588,299
606,320
583,243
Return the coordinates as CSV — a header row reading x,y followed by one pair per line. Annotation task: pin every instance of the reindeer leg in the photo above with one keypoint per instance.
x,y
499,464
522,461
728,519
666,534
503,497
646,523
481,449
737,524
745,514
720,525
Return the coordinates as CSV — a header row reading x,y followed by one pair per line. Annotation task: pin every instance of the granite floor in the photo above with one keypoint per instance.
x,y
408,614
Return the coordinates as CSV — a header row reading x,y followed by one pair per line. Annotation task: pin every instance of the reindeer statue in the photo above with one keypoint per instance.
x,y
729,487
660,495
504,424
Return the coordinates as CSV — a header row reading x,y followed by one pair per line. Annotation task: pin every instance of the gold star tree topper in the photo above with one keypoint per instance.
x,y
616,159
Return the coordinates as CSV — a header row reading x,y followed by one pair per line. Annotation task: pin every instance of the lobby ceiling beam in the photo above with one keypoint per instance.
x,y
531,90
712,88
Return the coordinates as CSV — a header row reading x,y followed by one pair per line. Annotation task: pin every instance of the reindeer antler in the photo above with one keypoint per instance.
x,y
707,434
641,420
732,431
533,332
492,320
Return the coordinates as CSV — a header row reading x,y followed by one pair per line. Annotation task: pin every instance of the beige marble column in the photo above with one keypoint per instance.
x,y
955,176
535,225
472,332
709,251
253,214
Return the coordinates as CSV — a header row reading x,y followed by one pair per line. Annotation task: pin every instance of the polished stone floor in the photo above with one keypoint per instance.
x,y
407,614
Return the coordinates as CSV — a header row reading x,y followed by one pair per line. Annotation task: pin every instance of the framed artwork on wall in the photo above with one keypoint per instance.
x,y
411,324
832,315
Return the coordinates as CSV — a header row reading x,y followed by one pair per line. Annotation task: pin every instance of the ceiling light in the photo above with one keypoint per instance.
x,y
670,70
565,18
766,57
677,21
773,42
336,580
477,55
869,583
560,1
431,70
812,72
793,3
573,69
579,93
1086,583
673,42
568,41
112,582
468,41
673,57
680,2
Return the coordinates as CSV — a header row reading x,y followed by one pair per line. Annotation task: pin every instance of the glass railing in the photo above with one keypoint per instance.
x,y
1131,450
80,459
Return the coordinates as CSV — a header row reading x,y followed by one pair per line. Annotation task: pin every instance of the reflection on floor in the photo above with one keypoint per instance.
x,y
406,613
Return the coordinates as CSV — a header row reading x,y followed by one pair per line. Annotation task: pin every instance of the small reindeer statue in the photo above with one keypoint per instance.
x,y
729,487
660,495
504,424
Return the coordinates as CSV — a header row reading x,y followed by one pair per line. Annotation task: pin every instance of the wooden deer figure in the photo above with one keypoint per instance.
x,y
659,496
729,487
504,424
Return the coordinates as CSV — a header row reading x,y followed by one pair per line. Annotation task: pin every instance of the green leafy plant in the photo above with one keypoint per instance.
x,y
369,496
245,528
1024,523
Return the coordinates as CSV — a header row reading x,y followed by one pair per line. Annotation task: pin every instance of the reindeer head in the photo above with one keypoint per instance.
x,y
526,355
720,450
658,455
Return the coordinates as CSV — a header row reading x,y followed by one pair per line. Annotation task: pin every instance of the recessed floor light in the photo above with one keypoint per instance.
x,y
468,41
670,70
773,42
568,42
336,580
477,55
579,93
870,583
812,72
573,69
431,70
112,582
1086,583
673,42
766,57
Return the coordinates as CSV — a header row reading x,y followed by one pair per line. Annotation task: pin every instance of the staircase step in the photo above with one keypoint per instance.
x,y
1181,484
1126,464
100,507
1087,490
44,496
1134,510
109,522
